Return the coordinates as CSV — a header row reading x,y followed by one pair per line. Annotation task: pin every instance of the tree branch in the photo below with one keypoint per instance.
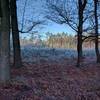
x,y
31,27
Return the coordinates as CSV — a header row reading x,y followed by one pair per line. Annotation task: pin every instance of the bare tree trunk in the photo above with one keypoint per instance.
x,y
0,26
82,5
96,32
5,42
15,35
79,50
79,33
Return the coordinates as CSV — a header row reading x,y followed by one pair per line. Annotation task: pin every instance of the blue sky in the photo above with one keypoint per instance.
x,y
57,28
35,11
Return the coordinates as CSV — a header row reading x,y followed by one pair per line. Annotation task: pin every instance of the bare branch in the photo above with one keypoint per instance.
x,y
31,27
60,16
23,16
84,4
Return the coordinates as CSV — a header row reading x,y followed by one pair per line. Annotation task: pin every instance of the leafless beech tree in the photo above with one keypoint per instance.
x,y
96,31
15,35
4,41
72,13
16,31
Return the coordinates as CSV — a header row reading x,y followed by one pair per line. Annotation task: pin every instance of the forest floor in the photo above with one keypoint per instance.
x,y
54,80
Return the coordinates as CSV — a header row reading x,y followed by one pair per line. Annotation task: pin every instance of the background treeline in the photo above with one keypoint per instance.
x,y
58,40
